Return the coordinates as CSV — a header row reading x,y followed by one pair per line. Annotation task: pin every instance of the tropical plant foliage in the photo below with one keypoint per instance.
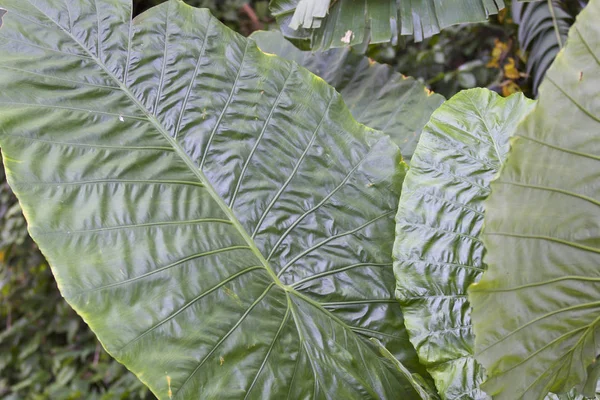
x,y
544,208
223,219
345,22
438,252
376,95
232,275
46,351
543,28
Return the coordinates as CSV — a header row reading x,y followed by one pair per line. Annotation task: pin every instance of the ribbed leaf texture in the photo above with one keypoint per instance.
x,y
376,95
215,214
438,252
536,311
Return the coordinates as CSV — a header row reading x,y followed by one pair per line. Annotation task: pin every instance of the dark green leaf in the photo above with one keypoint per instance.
x,y
376,95
215,214
351,22
542,32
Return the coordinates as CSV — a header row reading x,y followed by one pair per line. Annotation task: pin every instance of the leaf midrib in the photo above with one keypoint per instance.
x,y
176,146
288,290
199,174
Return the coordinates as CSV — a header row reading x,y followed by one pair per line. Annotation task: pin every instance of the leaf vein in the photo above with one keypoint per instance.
x,y
239,321
194,300
225,107
260,137
334,237
176,263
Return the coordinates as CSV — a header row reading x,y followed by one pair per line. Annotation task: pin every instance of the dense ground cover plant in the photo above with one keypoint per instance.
x,y
226,227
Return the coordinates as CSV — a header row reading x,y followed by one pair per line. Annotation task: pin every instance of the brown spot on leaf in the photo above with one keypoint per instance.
x,y
580,75
230,292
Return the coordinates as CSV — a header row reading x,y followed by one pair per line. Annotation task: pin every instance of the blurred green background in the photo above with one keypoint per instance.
x,y
47,352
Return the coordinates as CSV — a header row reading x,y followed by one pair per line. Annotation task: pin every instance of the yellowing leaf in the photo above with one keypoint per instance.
x,y
510,88
500,48
510,71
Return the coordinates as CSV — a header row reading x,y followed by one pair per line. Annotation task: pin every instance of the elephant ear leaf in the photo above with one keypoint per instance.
x,y
376,95
438,252
542,234
215,214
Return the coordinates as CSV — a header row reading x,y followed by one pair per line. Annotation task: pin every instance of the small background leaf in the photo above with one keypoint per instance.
x,y
376,95
374,21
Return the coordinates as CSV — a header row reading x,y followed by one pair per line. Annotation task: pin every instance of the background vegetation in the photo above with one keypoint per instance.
x,y
47,352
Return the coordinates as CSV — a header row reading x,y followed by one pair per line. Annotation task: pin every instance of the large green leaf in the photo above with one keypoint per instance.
x,y
438,252
376,95
352,22
215,214
536,310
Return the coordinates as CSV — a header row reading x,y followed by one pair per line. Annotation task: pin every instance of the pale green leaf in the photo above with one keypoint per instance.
x,y
536,310
438,252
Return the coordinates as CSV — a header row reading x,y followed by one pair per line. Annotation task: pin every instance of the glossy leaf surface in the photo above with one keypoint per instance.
x,y
376,95
351,22
215,214
438,252
543,236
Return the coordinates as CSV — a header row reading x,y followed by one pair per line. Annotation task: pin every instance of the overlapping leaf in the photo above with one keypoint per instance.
x,y
215,214
376,95
438,252
536,311
542,32
350,22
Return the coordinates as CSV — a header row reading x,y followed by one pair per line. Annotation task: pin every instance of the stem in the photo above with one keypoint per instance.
x,y
249,11
96,355
555,23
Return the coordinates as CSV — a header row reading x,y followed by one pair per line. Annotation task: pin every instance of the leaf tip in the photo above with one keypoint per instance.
x,y
2,13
